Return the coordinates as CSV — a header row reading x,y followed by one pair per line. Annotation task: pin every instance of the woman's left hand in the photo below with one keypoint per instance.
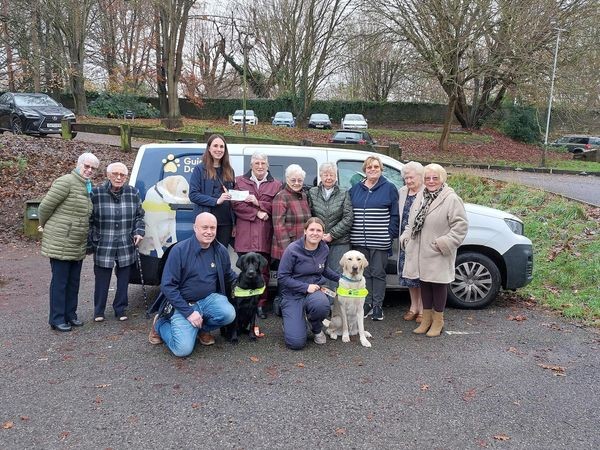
x,y
327,237
313,288
137,239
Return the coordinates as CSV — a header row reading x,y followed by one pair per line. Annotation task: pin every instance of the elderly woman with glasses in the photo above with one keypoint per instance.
x,y
290,211
437,225
64,215
375,225
116,228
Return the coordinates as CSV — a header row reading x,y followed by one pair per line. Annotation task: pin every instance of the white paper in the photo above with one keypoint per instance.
x,y
238,196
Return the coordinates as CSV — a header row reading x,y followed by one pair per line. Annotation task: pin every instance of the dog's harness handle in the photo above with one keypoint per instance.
x,y
354,293
239,292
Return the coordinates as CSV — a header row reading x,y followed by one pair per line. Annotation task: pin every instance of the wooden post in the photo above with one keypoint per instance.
x,y
125,137
395,151
65,130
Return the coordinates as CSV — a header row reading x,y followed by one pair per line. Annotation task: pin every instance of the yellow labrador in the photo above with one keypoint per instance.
x,y
347,317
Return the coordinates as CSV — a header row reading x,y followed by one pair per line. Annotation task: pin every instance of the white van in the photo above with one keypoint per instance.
x,y
494,255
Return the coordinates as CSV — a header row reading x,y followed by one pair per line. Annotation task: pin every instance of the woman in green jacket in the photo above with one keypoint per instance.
x,y
64,218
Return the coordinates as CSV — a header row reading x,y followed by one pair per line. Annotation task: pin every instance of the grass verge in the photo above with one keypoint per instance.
x,y
566,243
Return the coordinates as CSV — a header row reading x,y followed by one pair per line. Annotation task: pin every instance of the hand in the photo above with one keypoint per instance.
x,y
233,232
252,199
137,239
313,288
224,197
262,215
327,237
195,319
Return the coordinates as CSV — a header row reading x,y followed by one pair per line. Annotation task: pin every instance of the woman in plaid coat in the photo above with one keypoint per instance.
x,y
116,227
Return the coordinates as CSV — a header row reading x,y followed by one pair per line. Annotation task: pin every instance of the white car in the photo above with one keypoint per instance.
x,y
238,116
494,255
354,121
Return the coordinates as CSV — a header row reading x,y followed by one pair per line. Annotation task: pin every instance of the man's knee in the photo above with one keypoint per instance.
x,y
295,342
182,350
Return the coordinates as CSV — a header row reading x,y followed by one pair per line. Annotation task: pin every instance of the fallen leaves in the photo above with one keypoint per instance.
x,y
340,431
469,395
8,424
424,387
502,437
254,359
558,371
517,318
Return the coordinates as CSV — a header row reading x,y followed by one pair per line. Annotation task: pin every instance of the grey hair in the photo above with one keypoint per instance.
x,y
112,166
88,157
328,166
294,168
259,156
414,166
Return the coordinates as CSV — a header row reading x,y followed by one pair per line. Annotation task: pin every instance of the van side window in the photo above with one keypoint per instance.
x,y
278,164
350,173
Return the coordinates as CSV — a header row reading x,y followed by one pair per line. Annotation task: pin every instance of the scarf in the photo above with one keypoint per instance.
x,y
428,198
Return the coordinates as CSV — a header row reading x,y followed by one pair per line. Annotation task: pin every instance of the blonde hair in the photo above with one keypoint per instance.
x,y
414,166
438,170
370,160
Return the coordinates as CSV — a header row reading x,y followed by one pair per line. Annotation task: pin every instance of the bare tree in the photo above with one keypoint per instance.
x,y
477,49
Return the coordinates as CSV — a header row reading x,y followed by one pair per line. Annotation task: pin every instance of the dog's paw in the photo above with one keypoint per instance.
x,y
368,335
333,336
365,343
345,337
326,322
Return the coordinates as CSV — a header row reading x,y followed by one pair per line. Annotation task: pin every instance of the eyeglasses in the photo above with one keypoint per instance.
x,y
432,178
88,167
296,180
373,167
119,175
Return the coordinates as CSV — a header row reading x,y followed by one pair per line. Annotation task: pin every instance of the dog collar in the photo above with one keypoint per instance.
x,y
355,293
239,292
349,279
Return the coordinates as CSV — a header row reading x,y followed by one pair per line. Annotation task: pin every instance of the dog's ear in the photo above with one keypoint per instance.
x,y
262,261
238,264
343,261
365,263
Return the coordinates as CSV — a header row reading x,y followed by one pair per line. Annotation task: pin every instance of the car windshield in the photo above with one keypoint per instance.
x,y
354,117
319,117
240,112
284,115
347,135
34,100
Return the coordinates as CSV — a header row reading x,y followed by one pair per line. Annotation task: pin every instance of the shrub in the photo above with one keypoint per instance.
x,y
115,105
521,123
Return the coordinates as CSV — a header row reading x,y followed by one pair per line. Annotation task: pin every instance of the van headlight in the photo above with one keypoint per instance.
x,y
515,226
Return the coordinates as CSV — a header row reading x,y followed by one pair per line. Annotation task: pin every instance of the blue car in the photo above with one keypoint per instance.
x,y
284,119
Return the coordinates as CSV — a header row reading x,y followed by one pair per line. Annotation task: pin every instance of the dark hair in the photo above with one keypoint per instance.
x,y
314,220
208,161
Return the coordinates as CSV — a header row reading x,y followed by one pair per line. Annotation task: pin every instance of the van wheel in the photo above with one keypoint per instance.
x,y
477,281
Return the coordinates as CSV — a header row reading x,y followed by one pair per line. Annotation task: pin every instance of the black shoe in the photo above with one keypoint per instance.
x,y
368,309
377,313
261,313
76,322
61,327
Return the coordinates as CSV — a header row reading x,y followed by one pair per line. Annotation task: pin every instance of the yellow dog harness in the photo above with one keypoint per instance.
x,y
239,292
354,293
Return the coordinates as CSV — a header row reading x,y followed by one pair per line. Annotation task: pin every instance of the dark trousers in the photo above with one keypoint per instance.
x,y
64,290
294,309
374,274
266,274
102,283
224,235
434,295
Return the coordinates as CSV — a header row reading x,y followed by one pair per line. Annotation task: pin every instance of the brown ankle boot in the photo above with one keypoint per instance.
x,y
425,323
437,325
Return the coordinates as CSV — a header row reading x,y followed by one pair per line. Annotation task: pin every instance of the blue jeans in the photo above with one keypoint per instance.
x,y
180,335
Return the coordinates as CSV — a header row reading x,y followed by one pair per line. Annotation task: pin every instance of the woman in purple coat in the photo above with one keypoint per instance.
x,y
302,271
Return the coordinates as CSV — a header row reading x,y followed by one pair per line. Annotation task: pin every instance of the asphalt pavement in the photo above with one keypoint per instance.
x,y
509,376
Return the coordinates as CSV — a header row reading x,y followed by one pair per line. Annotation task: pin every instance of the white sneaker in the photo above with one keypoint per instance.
x,y
320,338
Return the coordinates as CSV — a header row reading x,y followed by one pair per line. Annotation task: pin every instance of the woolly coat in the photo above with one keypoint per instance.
x,y
446,226
290,212
252,233
335,212
64,213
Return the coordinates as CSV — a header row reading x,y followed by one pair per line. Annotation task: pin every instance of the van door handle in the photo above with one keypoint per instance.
x,y
180,207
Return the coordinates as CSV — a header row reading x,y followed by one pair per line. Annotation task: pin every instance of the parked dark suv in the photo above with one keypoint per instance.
x,y
576,143
351,137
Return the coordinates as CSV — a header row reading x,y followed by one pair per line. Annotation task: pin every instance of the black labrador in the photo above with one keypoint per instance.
x,y
244,296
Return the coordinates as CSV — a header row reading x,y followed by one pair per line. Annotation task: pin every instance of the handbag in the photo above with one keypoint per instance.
x,y
162,307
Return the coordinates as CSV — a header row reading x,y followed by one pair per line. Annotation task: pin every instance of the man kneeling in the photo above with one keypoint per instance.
x,y
193,281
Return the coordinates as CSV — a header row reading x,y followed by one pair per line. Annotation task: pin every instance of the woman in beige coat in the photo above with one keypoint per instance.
x,y
437,225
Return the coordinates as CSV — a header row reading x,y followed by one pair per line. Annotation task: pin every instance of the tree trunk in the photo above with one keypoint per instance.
x,y
443,144
161,87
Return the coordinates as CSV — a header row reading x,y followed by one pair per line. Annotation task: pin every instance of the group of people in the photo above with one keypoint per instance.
x,y
76,219
304,232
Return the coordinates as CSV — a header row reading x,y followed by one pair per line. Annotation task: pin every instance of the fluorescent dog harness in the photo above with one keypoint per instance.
x,y
239,292
354,293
